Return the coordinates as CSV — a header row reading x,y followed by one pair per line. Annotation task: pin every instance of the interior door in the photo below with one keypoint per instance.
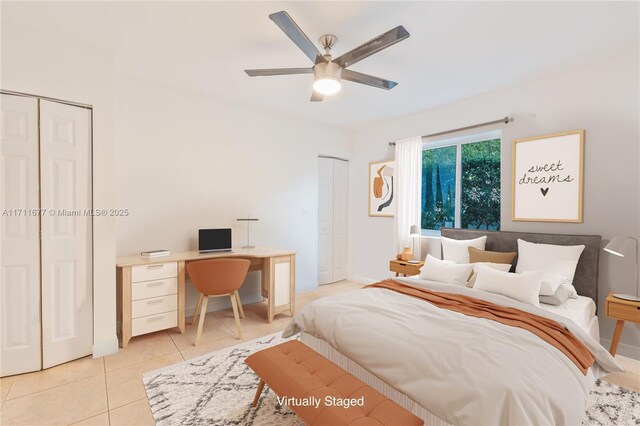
x,y
340,219
20,248
67,299
325,220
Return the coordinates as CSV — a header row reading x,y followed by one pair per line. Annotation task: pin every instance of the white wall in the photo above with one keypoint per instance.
x,y
602,99
42,64
186,161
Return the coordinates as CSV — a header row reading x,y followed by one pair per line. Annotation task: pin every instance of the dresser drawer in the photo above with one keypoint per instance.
x,y
623,311
154,271
147,289
155,305
153,323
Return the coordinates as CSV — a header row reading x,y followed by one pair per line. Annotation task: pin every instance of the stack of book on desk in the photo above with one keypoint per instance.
x,y
155,253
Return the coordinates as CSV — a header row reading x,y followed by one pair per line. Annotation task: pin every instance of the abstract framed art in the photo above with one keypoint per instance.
x,y
547,178
382,200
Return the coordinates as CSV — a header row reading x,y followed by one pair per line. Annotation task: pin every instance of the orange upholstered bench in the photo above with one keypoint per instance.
x,y
320,392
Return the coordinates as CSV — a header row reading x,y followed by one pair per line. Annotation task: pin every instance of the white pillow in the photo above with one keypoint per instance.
x,y
549,282
445,271
458,250
497,266
561,260
523,287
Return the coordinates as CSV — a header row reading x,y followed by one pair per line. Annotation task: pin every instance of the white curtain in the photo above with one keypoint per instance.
x,y
408,192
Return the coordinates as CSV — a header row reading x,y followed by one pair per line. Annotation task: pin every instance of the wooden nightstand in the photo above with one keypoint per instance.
x,y
621,310
405,268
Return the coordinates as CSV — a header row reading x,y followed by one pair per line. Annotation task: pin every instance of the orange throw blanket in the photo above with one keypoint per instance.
x,y
548,330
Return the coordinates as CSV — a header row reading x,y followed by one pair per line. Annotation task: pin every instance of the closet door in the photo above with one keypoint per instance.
x,y
65,158
325,220
20,248
340,219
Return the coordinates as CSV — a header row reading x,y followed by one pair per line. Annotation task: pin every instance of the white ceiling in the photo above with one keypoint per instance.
x,y
456,49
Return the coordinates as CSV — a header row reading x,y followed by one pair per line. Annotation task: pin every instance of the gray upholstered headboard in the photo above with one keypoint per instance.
x,y
586,278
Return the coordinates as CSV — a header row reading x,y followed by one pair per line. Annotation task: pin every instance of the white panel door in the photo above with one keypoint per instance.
x,y
67,299
20,248
325,220
340,219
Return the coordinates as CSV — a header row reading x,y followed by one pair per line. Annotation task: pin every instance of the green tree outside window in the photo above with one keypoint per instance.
x,y
479,186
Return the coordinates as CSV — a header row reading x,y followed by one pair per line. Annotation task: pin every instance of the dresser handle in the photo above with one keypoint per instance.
x,y
154,301
155,283
156,318
160,265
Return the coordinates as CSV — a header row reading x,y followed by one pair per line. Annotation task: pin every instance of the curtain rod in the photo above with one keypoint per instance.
x,y
504,120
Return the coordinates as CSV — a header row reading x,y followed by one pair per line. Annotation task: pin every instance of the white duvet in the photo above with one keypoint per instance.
x,y
465,370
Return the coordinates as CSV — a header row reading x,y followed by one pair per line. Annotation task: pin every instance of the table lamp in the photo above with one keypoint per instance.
x,y
414,232
248,219
621,246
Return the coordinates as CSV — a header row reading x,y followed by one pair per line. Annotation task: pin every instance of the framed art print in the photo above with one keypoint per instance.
x,y
382,200
547,178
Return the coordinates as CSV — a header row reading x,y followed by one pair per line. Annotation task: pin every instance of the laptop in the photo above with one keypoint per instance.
x,y
212,240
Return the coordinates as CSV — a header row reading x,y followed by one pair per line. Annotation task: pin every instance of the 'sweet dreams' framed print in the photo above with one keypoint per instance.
x,y
547,178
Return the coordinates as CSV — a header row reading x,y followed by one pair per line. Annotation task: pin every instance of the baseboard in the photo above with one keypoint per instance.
x,y
363,280
105,348
624,349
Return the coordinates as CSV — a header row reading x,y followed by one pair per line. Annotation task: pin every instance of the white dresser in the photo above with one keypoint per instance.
x,y
154,297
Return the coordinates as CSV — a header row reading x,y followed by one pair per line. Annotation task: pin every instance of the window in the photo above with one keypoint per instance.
x,y
461,183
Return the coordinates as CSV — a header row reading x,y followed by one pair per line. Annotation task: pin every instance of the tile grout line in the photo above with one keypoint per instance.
x,y
173,341
47,389
142,362
86,418
130,403
7,395
106,388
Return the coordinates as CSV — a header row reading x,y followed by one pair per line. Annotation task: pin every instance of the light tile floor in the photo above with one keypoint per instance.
x,y
109,390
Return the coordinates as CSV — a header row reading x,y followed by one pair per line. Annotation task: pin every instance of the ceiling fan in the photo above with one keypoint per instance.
x,y
327,72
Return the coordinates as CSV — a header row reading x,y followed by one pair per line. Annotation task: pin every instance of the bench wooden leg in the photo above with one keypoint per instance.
x,y
258,393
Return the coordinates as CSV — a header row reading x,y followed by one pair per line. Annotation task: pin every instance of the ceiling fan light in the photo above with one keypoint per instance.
x,y
327,86
327,78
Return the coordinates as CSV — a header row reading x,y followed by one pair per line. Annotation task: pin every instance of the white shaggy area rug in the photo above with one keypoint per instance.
x,y
218,388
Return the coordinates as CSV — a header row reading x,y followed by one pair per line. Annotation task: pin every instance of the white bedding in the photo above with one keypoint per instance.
x,y
465,370
580,310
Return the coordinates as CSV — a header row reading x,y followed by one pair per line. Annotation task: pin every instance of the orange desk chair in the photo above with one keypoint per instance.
x,y
216,278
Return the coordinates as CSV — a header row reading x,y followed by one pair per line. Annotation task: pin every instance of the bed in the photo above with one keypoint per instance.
x,y
448,368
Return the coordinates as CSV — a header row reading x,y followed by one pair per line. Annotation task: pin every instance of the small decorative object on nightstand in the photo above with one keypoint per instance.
x,y
621,310
406,268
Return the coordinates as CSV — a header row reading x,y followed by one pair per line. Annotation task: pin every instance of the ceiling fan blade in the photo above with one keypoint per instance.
x,y
316,97
374,45
369,80
293,31
278,71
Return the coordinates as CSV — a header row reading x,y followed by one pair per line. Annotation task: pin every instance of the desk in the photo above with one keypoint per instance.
x,y
150,292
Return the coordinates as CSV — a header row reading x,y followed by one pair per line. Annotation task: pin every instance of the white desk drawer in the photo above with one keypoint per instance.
x,y
155,305
153,323
147,289
154,271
